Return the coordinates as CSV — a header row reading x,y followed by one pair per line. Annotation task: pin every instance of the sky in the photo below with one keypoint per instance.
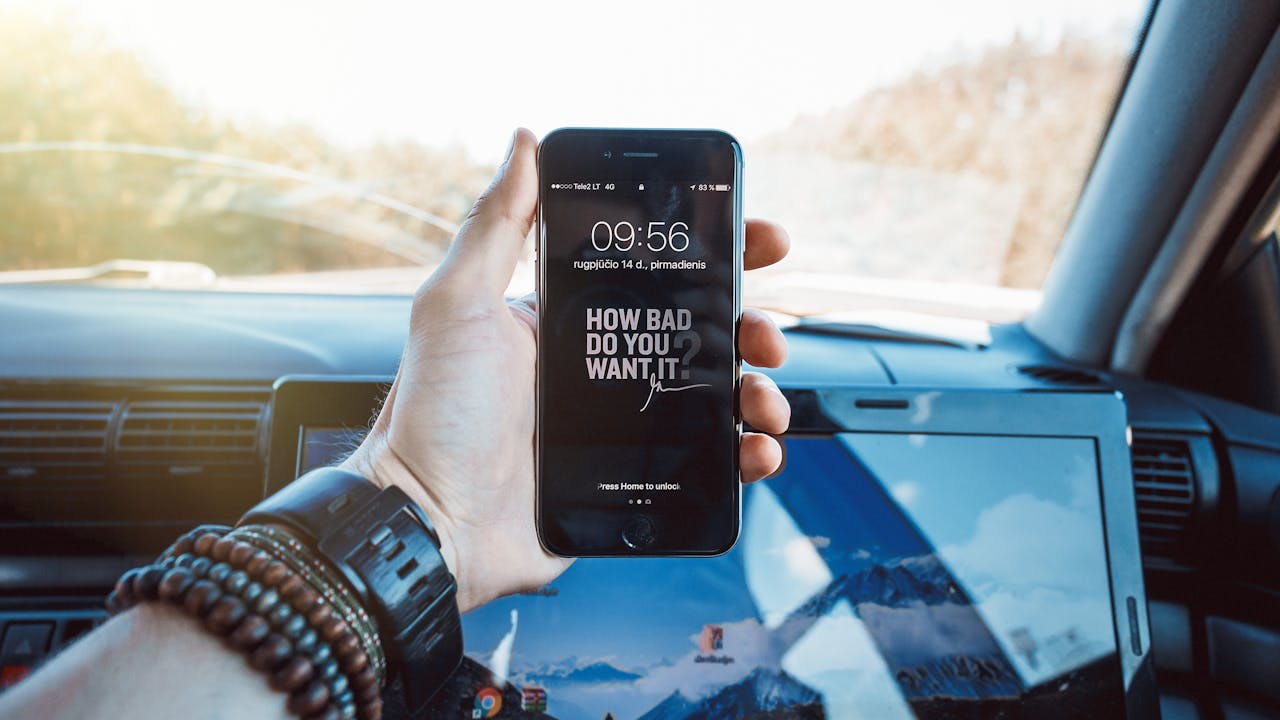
x,y
466,73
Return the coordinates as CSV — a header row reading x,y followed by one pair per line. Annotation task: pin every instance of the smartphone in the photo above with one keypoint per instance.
x,y
640,237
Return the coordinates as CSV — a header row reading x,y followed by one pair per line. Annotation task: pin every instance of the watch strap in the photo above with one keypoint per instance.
x,y
386,548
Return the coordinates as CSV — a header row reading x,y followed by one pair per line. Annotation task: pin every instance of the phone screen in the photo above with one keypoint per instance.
x,y
639,259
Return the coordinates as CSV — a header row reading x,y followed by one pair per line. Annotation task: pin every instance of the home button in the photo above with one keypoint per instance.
x,y
639,532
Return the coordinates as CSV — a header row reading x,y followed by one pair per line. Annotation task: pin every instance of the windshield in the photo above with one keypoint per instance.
x,y
923,155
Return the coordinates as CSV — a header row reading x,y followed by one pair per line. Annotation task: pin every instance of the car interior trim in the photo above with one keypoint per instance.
x,y
1221,186
1194,64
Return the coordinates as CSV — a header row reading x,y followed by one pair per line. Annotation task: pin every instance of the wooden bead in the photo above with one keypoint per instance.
x,y
265,602
338,684
305,600
225,614
124,587
251,592
347,645
295,673
258,563
275,573
114,604
291,586
310,698
368,694
146,583
271,654
294,627
319,614
251,631
204,544
183,545
281,614
222,549
362,679
219,572
236,582
201,597
355,663
321,654
175,584
372,710
332,629
307,641
200,566
241,552
328,671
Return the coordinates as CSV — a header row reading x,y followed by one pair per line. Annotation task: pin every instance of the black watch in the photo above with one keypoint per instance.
x,y
386,548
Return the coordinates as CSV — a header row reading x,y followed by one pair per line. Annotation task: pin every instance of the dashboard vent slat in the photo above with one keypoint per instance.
x,y
53,440
1060,375
181,438
1165,490
97,465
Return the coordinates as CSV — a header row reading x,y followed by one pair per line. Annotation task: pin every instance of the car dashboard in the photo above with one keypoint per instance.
x,y
128,416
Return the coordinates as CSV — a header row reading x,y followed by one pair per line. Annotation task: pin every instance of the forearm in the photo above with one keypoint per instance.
x,y
149,662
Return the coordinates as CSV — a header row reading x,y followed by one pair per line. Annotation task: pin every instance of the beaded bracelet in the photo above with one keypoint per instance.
x,y
263,607
343,602
310,600
195,583
315,573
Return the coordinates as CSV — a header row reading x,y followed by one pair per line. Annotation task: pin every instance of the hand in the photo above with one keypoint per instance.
x,y
456,430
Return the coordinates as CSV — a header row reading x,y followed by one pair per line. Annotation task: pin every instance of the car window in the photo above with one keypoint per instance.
x,y
245,145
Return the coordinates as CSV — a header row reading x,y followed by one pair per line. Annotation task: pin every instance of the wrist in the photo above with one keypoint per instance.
x,y
265,602
378,464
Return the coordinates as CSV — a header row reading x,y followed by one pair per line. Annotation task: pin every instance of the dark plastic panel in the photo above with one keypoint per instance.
x,y
1236,709
1171,636
1176,707
825,360
1245,656
60,332
1238,424
1257,521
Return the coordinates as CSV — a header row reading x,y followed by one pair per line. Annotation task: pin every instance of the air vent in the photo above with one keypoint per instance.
x,y
53,441
176,438
1164,485
1059,375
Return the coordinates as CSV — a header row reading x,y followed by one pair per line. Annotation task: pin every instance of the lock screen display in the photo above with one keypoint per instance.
x,y
637,366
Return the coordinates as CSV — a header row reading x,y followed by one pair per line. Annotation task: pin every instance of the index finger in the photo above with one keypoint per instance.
x,y
767,243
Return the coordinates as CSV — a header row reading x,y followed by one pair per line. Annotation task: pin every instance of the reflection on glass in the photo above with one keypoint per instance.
x,y
1027,547
838,657
880,576
783,568
322,447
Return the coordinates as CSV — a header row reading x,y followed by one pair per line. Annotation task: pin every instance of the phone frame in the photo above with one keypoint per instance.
x,y
623,163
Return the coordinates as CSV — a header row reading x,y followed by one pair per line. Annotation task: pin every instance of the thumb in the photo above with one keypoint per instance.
x,y
483,254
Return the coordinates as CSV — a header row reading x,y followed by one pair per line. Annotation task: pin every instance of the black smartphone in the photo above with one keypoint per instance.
x,y
640,237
